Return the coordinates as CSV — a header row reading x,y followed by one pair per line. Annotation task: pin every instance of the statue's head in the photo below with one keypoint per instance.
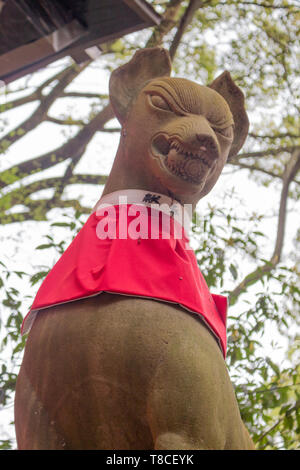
x,y
178,131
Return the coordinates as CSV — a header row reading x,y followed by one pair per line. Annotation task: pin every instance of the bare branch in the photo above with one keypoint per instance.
x,y
275,136
170,17
20,101
65,122
263,5
291,170
68,173
264,153
79,122
39,115
36,94
39,209
111,129
72,148
186,19
292,167
23,195
254,167
78,94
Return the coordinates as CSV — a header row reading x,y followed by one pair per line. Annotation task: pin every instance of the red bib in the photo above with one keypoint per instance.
x,y
142,256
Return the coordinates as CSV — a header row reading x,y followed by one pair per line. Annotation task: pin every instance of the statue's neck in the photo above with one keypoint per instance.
x,y
131,173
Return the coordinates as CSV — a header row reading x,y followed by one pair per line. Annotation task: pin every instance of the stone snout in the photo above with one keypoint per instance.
x,y
189,148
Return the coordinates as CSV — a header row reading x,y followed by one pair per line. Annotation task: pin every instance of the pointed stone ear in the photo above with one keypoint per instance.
x,y
226,87
127,81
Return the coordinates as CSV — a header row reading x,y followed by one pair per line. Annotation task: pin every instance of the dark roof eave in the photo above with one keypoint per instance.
x,y
145,11
37,54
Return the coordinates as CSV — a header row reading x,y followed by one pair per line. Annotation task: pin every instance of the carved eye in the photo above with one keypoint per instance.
x,y
159,102
227,132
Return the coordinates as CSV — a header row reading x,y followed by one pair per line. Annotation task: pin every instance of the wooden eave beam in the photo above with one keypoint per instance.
x,y
145,11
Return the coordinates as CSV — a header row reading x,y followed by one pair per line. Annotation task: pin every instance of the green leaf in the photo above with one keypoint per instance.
x,y
60,224
20,274
38,276
44,246
233,271
273,366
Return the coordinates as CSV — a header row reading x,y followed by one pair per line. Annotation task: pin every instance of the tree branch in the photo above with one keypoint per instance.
x,y
20,101
72,148
78,94
170,17
261,170
65,122
262,5
255,168
39,115
264,153
291,170
186,19
39,209
275,136
22,195
288,412
35,95
292,167
68,174
79,122
111,129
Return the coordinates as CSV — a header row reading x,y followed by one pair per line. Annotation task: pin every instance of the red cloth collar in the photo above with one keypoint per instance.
x,y
162,268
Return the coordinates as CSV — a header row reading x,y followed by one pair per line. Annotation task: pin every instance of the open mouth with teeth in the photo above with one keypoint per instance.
x,y
191,166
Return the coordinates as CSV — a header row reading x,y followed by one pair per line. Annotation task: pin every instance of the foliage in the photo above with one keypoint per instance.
x,y
268,393
258,41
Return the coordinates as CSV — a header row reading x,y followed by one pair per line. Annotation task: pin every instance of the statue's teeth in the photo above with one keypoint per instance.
x,y
202,155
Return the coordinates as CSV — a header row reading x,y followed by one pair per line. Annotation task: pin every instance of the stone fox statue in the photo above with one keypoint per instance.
x,y
126,344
